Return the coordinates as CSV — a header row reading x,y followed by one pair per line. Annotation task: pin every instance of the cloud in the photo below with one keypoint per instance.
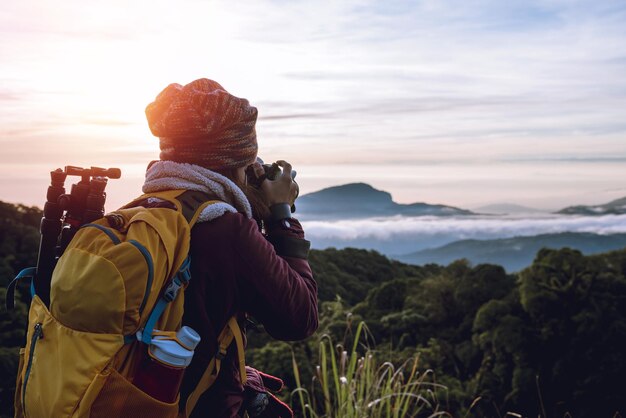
x,y
398,235
295,116
106,122
8,96
569,159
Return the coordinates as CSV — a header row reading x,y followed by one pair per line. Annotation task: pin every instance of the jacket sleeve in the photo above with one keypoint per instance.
x,y
279,291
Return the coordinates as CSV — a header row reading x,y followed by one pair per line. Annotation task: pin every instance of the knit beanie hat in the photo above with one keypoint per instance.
x,y
201,123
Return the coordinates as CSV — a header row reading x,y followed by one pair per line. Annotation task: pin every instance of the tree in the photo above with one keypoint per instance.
x,y
577,309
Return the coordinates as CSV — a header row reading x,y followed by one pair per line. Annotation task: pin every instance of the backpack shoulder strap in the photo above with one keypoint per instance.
x,y
190,203
231,333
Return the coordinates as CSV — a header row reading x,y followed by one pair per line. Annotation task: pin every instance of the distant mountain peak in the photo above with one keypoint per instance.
x,y
617,202
359,200
353,188
615,207
506,208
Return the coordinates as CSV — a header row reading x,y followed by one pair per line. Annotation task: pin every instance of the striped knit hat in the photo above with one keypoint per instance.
x,y
201,123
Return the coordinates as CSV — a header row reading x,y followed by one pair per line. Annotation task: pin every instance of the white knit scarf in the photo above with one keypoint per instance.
x,y
169,175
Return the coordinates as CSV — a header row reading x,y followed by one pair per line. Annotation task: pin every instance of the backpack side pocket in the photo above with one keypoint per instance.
x,y
60,363
120,398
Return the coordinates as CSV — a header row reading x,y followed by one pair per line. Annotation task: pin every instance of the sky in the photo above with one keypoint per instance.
x,y
460,102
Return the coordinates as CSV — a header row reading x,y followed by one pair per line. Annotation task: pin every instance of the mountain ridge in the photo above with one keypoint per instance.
x,y
507,209
514,253
361,200
614,207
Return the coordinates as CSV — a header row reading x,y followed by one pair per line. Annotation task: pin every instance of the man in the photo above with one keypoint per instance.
x,y
208,140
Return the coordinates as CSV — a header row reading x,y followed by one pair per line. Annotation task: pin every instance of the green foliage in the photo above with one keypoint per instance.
x,y
350,384
12,337
19,243
19,239
577,311
273,358
352,273
502,333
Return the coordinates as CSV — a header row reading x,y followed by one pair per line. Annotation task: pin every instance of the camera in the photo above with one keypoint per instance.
x,y
271,172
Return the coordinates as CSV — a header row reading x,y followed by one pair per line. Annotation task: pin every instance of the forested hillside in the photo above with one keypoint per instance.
x,y
19,242
556,329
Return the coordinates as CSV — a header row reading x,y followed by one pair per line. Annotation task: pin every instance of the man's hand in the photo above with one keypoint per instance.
x,y
281,190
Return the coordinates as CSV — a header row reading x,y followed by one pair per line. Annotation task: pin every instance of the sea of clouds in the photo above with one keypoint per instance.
x,y
402,235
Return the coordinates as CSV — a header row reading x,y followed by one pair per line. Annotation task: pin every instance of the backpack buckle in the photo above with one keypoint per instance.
x,y
184,273
171,291
221,353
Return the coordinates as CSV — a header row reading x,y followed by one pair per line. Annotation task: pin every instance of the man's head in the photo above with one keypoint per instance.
x,y
201,123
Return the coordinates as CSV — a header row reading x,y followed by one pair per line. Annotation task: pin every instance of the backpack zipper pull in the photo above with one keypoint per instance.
x,y
38,334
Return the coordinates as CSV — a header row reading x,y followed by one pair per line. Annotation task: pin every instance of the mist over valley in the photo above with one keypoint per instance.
x,y
357,215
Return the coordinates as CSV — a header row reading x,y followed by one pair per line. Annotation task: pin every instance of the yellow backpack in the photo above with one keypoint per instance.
x,y
121,274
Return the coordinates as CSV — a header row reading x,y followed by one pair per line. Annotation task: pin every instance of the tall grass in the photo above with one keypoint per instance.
x,y
358,384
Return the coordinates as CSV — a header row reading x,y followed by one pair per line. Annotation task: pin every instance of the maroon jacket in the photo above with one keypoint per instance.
x,y
234,270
